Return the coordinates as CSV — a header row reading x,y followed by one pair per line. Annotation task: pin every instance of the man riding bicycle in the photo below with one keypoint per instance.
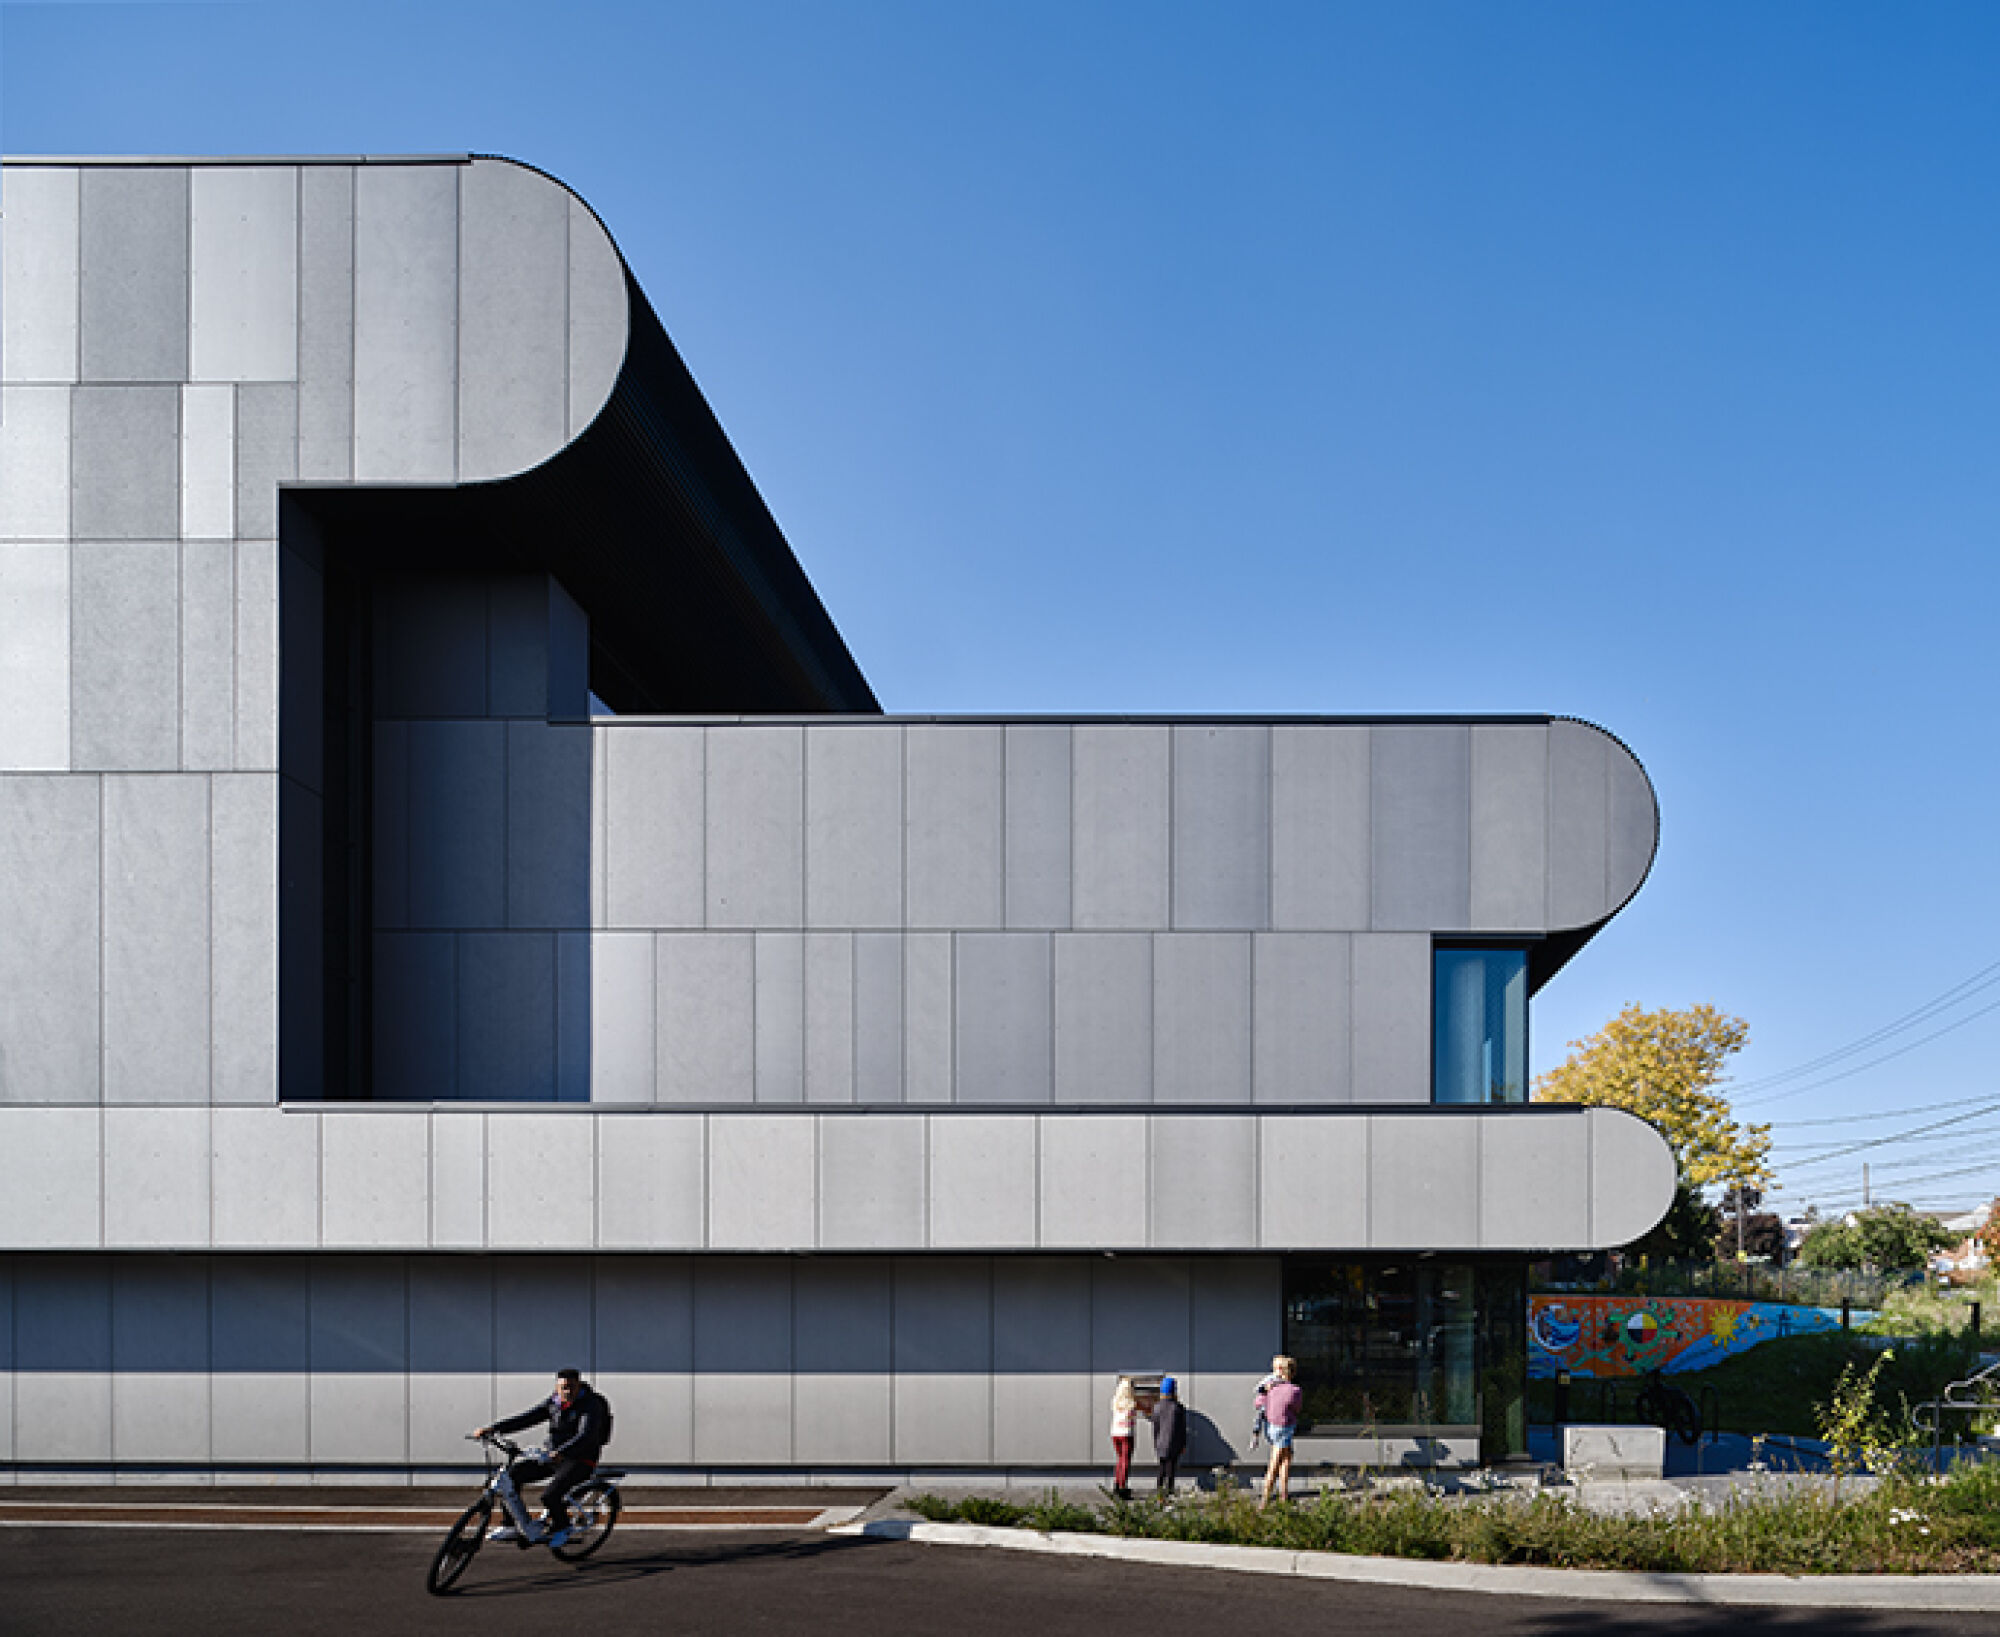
x,y
579,1427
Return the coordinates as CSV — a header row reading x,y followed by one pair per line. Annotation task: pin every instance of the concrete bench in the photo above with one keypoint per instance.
x,y
1614,1452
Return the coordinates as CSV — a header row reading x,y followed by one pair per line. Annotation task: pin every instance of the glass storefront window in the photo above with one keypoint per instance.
x,y
1384,1346
1479,1051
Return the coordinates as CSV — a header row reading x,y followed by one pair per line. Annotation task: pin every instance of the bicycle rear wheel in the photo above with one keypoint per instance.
x,y
1686,1419
593,1514
460,1546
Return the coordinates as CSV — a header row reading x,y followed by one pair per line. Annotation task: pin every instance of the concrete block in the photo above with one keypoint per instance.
x,y
1614,1451
654,852
622,1034
260,1322
134,302
878,1017
326,322
1313,1182
244,279
458,824
1003,1022
755,837
1534,1181
1631,1177
956,796
1139,1320
829,1017
854,826
540,1308
507,1017
1510,827
1301,1018
651,1181
267,454
459,1192
243,909
1579,824
1201,1017
1221,827
1420,786
1120,827
1104,1017
257,656
39,282
416,1017
599,316
928,1040
1423,1181
1391,1042
1044,1409
707,1035
541,1182
1037,840
208,656
125,462
573,1017
982,1182
781,1017
842,1346
405,323
375,1179
513,274
1204,1182
56,1199
742,1324
872,1182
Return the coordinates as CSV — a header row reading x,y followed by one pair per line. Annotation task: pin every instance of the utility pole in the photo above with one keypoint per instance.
x,y
1864,1185
1739,1219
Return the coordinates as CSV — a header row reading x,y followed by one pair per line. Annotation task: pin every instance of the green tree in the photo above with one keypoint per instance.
x,y
1664,1066
1893,1238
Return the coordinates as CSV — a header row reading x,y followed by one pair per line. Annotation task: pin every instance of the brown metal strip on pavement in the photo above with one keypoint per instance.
x,y
329,1517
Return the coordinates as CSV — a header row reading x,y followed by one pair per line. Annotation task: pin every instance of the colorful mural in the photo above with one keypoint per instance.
x,y
1631,1335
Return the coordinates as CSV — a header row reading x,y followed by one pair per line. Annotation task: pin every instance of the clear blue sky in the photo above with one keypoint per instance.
x,y
1638,362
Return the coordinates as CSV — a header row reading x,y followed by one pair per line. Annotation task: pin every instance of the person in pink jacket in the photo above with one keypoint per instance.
x,y
1278,1403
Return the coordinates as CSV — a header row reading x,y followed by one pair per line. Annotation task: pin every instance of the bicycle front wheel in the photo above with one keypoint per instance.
x,y
1686,1419
460,1546
593,1514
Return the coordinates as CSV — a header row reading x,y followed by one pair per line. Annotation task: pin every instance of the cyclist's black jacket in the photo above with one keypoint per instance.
x,y
578,1431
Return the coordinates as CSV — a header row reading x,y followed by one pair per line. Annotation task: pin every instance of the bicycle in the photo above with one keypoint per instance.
x,y
593,1513
1667,1406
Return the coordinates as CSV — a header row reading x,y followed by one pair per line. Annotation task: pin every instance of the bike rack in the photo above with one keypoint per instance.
x,y
1955,1402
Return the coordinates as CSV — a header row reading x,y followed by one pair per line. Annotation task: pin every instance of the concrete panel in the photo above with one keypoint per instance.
x,y
1044,1409
573,1017
1534,1181
39,274
243,292
1104,1017
878,1017
359,1404
134,302
416,1024
755,827
507,1017
125,463
124,657
1510,828
707,1034
854,827
513,360
1312,1180
1631,1177
56,1193
1201,1017
375,1179
519,629
944,1362
458,1192
1235,1310
1392,1018
829,1015
458,824
326,322
762,1182
983,1176
1221,827
541,1181
257,656
651,1171
623,1039
1093,1182
541,1313
1301,1020
405,322
243,911
62,1330
260,1389
160,1359
927,1021
654,855
781,1017
1037,840
1003,1016
34,658
156,1186
6,1363
34,463
267,454
1204,1183
956,797
208,655
743,1362
1632,825
599,316
49,948
645,1356
1139,1321
264,1169
431,632
872,1182
156,939
1420,789
1423,1181
843,1318
1579,823
1120,839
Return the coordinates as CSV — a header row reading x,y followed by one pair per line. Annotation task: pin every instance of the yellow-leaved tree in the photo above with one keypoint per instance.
x,y
1664,1066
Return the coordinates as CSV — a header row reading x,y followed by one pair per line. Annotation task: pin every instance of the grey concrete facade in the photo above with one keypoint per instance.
x,y
329,491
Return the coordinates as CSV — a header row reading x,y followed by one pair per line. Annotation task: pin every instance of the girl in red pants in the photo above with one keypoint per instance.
x,y
1124,1412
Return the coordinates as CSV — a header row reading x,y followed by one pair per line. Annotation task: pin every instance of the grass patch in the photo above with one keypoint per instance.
x,y
1774,1386
1907,1525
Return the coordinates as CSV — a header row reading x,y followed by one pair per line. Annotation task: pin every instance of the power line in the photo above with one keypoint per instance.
x,y
1886,1114
1877,1062
1899,1136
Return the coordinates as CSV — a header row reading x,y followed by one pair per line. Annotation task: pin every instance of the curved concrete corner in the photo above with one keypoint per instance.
x,y
1632,1177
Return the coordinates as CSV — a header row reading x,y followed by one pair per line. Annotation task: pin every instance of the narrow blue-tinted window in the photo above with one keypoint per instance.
x,y
1480,1008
